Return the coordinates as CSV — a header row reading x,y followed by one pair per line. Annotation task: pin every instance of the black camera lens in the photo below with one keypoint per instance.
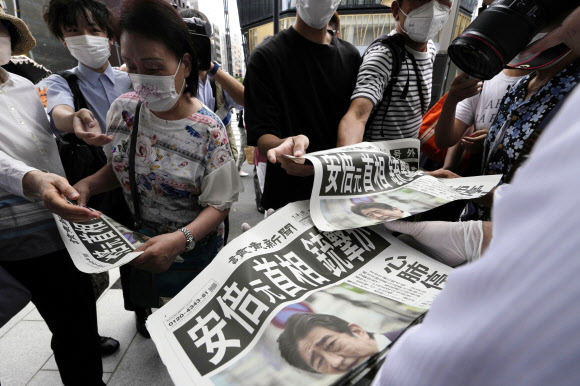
x,y
497,36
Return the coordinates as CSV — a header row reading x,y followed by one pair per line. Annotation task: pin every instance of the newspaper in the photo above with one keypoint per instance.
x,y
230,325
372,183
97,245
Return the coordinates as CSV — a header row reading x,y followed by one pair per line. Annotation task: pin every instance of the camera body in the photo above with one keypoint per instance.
x,y
501,32
200,33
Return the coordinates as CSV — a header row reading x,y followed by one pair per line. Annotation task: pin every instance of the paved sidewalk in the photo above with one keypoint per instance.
x,y
25,354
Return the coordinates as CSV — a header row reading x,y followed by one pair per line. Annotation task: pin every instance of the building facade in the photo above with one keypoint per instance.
x,y
237,57
217,44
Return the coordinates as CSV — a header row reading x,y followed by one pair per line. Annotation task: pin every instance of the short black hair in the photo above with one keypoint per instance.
x,y
59,14
140,16
358,208
298,326
12,31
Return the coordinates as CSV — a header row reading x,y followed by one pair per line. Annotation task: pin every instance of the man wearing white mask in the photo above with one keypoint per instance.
x,y
385,106
297,88
85,28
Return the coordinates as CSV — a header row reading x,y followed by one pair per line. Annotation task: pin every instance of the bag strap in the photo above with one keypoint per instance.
x,y
132,178
72,80
396,44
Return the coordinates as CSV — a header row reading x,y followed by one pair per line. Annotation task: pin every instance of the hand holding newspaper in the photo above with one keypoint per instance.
x,y
371,183
287,304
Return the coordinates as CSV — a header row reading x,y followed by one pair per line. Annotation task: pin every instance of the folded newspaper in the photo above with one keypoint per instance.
x,y
100,244
287,304
372,183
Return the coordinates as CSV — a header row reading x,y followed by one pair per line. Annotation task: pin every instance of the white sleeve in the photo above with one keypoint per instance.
x,y
231,102
13,171
465,110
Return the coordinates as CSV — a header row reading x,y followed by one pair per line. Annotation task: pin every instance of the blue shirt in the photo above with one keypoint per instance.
x,y
99,90
205,96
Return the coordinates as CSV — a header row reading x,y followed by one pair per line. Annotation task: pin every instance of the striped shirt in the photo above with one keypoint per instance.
x,y
27,229
404,116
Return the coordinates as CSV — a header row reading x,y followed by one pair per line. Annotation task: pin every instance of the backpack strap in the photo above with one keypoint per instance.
x,y
73,83
396,44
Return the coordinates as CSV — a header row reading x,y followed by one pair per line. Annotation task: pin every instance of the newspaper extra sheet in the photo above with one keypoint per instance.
x,y
233,324
372,183
97,245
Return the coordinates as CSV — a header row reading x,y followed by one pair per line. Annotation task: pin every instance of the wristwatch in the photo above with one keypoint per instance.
x,y
189,240
214,69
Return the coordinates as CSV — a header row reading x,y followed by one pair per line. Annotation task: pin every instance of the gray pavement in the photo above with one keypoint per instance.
x,y
25,354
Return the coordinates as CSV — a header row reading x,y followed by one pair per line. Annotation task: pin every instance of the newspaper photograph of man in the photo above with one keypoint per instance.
x,y
327,344
318,340
378,211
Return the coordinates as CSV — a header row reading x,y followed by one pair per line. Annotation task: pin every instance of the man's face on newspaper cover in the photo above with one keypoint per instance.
x,y
382,214
331,352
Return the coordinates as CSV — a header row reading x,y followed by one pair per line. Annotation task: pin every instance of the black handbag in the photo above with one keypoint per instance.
x,y
79,159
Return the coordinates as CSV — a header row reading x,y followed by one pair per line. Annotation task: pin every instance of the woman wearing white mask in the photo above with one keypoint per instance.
x,y
185,175
381,110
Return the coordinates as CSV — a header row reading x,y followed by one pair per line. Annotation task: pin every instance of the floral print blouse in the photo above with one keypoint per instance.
x,y
173,162
524,116
521,117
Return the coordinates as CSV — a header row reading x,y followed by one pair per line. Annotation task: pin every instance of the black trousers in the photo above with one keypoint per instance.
x,y
64,297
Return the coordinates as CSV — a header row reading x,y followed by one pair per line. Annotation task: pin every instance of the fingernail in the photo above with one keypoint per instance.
x,y
74,196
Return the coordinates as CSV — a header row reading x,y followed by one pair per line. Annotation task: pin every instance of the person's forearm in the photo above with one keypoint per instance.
x,y
453,157
102,181
447,132
350,130
267,142
206,221
63,117
233,87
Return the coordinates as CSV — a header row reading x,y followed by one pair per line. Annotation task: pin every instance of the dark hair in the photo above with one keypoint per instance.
x,y
358,208
335,21
140,16
12,31
59,14
298,326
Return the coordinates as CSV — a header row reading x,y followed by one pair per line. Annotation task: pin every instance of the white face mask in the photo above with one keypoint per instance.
x,y
92,51
157,92
423,23
5,49
316,13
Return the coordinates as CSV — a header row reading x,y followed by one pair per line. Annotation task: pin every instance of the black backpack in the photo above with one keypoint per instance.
x,y
78,158
396,44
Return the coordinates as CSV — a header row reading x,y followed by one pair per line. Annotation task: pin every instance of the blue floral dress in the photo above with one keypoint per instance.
x,y
522,117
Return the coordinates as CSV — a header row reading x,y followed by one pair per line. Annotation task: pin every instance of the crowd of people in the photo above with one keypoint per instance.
x,y
163,161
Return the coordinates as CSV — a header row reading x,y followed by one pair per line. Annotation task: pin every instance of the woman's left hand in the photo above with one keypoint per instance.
x,y
160,252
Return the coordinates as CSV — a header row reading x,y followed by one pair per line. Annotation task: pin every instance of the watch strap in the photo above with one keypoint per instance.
x,y
214,69
189,240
